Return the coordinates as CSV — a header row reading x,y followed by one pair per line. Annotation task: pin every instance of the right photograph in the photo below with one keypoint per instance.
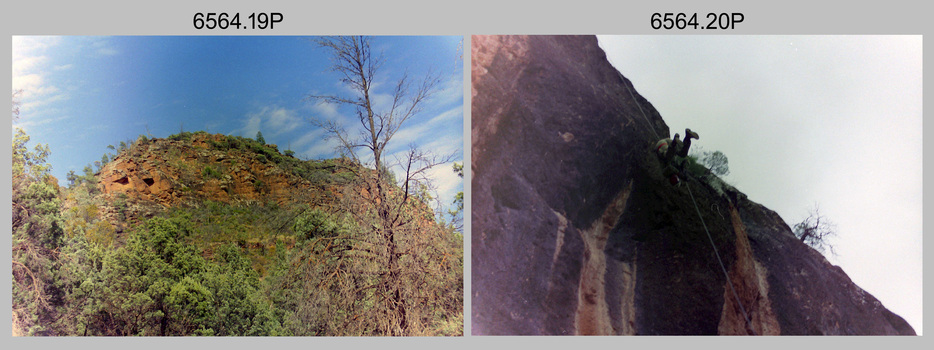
x,y
696,185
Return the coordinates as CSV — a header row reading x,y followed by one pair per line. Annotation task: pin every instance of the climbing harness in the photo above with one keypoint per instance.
x,y
722,267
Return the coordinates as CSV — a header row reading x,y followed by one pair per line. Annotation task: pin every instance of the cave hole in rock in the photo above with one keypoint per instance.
x,y
149,181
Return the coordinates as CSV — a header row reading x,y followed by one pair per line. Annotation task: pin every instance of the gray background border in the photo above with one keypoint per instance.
x,y
419,17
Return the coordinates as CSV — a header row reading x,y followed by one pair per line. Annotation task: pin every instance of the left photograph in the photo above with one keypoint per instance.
x,y
237,186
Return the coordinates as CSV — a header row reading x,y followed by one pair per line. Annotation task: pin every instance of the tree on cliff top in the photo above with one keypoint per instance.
x,y
392,257
717,162
816,231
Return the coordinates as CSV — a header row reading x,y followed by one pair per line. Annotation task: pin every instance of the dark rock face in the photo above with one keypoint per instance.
x,y
576,231
813,296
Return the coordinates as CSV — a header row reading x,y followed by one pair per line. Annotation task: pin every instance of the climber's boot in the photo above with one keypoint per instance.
x,y
690,134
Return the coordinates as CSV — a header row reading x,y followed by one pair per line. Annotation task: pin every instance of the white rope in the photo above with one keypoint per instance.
x,y
725,274
651,127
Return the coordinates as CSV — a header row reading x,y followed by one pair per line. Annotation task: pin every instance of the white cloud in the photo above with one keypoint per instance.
x,y
29,83
102,46
447,145
322,149
271,120
251,125
381,101
446,182
325,110
418,133
23,65
30,70
26,124
30,45
315,135
282,120
452,91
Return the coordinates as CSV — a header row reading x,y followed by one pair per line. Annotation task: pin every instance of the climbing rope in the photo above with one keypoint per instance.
x,y
714,205
722,267
651,127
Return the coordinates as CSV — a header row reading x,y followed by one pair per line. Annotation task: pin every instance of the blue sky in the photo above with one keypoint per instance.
x,y
81,94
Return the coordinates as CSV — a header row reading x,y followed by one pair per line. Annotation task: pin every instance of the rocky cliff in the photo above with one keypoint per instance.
x,y
194,167
576,231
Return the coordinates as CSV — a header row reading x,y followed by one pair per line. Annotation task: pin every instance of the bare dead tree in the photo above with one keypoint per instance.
x,y
16,104
816,231
388,216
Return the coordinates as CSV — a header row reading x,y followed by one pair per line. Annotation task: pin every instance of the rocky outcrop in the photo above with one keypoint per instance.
x,y
576,231
202,167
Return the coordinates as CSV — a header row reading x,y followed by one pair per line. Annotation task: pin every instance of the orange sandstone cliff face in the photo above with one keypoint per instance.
x,y
168,172
575,230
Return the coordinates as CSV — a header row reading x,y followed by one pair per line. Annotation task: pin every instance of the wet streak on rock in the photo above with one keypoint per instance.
x,y
552,132
749,279
593,316
556,138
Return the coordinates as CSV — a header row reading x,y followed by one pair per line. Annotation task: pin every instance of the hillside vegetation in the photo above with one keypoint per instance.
x,y
200,234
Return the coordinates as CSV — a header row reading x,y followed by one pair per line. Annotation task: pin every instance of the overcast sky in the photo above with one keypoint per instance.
x,y
804,120
81,94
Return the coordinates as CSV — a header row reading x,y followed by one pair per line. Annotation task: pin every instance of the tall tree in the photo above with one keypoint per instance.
x,y
392,248
259,138
36,238
36,235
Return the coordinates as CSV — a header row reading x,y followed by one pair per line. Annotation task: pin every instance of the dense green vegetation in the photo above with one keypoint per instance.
x,y
90,263
315,171
37,239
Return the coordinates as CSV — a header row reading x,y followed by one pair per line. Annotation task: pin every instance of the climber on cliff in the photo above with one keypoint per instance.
x,y
668,148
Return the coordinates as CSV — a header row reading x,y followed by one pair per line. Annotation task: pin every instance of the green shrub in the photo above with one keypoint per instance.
x,y
387,175
121,205
210,173
162,285
693,168
219,145
343,177
182,136
276,158
316,223
234,142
